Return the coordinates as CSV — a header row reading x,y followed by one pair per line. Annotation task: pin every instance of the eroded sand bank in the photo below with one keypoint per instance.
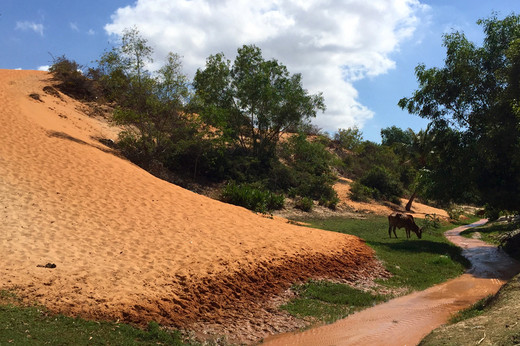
x,y
129,246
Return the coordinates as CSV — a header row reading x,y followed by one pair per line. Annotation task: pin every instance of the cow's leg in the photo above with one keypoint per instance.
x,y
390,231
394,232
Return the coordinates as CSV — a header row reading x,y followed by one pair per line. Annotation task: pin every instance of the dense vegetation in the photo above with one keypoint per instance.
x,y
473,105
247,123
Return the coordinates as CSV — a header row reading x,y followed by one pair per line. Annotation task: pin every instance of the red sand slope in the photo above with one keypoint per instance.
x,y
132,247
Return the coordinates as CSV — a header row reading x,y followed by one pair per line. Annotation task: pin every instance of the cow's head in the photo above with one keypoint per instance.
x,y
419,232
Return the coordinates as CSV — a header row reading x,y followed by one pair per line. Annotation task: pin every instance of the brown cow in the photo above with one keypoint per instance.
x,y
403,220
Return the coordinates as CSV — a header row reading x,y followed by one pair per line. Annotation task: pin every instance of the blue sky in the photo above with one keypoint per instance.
x,y
360,54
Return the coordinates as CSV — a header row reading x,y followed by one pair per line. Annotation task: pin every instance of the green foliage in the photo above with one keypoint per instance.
x,y
73,81
431,221
454,211
36,326
368,155
472,102
393,135
360,192
349,139
416,264
252,197
304,204
384,185
252,101
328,301
306,170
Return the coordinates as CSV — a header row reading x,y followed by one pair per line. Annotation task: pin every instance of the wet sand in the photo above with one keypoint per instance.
x,y
408,319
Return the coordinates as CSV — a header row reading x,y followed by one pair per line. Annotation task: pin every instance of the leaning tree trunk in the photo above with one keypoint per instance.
x,y
409,204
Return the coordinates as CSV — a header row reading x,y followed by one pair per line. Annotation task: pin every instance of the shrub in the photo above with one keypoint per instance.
x,y
72,80
350,138
431,221
454,212
329,203
380,179
252,197
360,192
305,170
305,204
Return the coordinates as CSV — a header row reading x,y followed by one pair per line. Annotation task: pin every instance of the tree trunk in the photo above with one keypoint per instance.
x,y
409,204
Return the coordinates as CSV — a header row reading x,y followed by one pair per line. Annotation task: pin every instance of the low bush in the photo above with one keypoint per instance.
x,y
72,80
454,211
252,197
360,192
431,222
383,183
304,204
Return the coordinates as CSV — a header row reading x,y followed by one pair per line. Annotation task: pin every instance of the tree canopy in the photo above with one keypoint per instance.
x,y
253,100
473,104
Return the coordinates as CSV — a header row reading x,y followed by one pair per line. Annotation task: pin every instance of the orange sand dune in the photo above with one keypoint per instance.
x,y
418,210
132,247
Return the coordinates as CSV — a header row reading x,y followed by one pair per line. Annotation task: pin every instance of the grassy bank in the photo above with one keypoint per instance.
x,y
415,264
36,326
492,321
494,233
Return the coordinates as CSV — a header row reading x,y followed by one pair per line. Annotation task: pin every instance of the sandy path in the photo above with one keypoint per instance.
x,y
406,320
132,247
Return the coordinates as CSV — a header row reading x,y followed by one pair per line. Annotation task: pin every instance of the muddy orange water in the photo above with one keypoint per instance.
x,y
406,320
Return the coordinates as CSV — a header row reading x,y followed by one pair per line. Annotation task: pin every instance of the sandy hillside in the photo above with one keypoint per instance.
x,y
132,247
418,210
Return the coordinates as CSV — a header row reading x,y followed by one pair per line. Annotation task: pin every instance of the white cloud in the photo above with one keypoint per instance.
x,y
74,26
91,32
332,43
44,68
24,26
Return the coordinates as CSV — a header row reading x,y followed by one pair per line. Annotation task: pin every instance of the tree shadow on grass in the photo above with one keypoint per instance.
x,y
426,246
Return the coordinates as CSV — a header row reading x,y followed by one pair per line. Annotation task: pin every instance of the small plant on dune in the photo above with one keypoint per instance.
x,y
304,204
252,197
72,80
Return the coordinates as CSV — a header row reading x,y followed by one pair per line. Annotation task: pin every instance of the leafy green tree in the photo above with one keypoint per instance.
x,y
394,135
253,100
473,100
150,105
306,170
350,138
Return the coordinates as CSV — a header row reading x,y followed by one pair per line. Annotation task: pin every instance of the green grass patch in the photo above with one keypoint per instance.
x,y
36,326
492,231
475,310
327,301
415,264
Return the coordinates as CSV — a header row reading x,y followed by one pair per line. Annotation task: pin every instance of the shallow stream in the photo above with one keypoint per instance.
x,y
407,320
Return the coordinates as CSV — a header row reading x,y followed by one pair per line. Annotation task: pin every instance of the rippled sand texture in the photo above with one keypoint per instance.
x,y
407,320
127,245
